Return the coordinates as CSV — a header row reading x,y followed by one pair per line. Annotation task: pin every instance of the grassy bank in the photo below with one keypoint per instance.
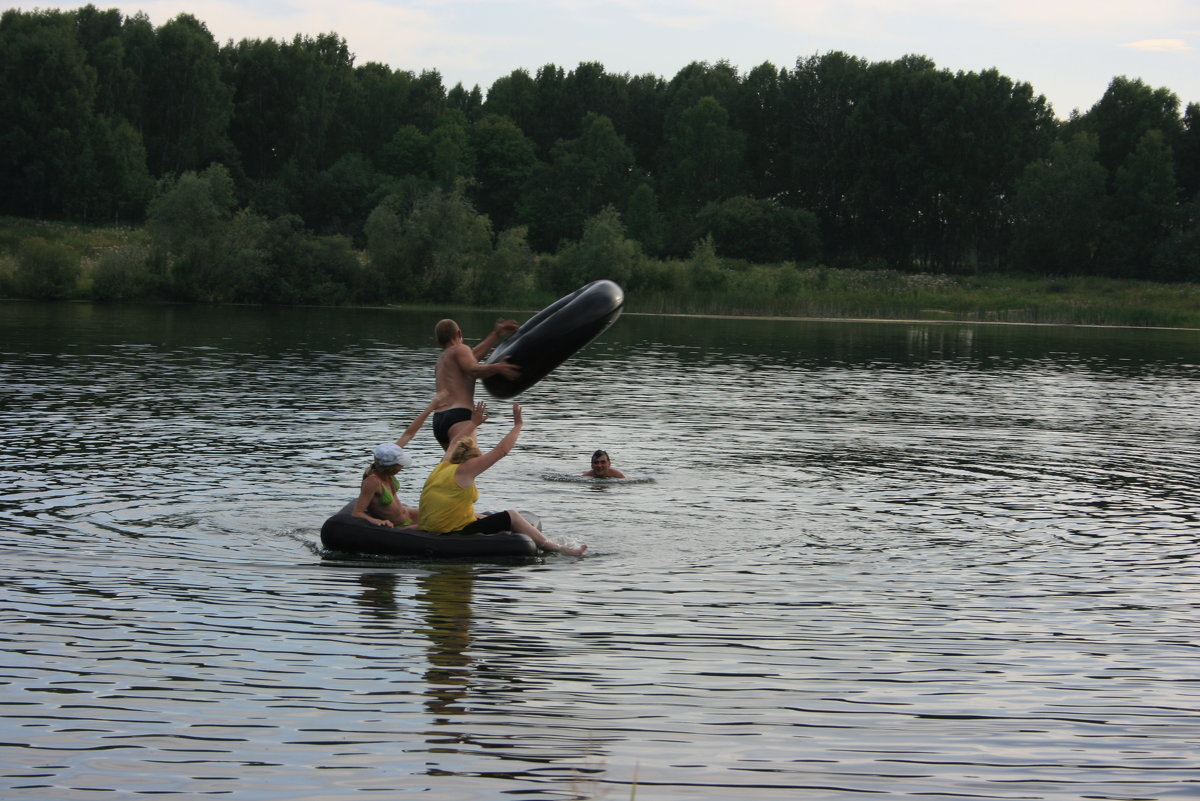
x,y
886,294
780,290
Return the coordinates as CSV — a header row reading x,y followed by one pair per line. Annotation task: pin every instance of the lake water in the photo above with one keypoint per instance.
x,y
901,560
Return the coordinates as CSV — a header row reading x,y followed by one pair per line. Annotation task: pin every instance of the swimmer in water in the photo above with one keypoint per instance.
x,y
602,467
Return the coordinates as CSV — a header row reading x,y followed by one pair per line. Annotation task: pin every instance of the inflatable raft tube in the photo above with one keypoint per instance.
x,y
549,337
345,533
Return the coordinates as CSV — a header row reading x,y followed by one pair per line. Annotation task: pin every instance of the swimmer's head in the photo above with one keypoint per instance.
x,y
445,331
601,462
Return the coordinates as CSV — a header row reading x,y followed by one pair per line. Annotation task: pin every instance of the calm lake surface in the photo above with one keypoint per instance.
x,y
852,560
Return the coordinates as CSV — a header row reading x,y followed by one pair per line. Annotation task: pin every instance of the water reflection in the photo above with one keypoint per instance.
x,y
443,599
476,671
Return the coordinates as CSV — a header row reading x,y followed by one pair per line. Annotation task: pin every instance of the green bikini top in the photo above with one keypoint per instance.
x,y
386,495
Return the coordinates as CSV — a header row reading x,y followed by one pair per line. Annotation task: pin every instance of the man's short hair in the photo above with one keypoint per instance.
x,y
445,331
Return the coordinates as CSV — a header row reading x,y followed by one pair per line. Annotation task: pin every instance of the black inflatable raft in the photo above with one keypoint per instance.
x,y
345,533
547,338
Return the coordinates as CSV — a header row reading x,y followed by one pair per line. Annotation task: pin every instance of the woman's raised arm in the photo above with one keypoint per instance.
x,y
473,467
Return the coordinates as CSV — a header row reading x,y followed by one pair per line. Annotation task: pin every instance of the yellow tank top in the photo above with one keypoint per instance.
x,y
444,505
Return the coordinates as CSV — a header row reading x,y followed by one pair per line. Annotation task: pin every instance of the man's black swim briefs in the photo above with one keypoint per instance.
x,y
442,421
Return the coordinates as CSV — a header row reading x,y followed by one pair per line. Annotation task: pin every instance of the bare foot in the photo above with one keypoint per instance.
x,y
569,550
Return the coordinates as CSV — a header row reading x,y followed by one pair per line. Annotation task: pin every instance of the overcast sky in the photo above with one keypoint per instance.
x,y
1068,50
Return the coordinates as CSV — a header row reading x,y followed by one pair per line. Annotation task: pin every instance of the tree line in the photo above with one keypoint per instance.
x,y
280,171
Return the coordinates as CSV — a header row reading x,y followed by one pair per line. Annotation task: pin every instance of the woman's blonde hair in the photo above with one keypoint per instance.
x,y
464,449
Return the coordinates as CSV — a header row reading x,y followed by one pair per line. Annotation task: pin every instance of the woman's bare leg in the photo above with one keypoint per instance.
x,y
541,540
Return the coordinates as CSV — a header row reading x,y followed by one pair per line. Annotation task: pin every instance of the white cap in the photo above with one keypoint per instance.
x,y
389,453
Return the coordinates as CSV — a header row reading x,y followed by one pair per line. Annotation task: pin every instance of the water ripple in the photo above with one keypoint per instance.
x,y
908,561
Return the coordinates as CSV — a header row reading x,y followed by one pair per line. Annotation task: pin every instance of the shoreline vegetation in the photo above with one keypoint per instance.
x,y
80,256
283,172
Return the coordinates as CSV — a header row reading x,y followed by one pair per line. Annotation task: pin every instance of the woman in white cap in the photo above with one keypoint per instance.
x,y
377,496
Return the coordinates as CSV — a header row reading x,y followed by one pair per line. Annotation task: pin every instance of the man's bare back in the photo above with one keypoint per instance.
x,y
458,367
455,376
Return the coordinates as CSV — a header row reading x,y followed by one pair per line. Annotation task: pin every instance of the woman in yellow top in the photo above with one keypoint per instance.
x,y
378,500
448,498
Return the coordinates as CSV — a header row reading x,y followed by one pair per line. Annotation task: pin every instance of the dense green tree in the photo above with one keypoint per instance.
x,y
757,112
1187,156
291,102
643,221
646,94
507,273
259,126
139,57
426,101
553,113
302,268
336,201
584,175
392,270
378,104
894,143
100,35
451,157
695,82
704,159
988,131
1057,210
604,251
1177,258
1128,109
47,91
430,248
1143,211
591,90
187,106
467,103
123,186
759,230
190,221
407,153
514,96
505,161
815,162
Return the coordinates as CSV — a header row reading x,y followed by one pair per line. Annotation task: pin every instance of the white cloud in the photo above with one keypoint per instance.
x,y
1159,45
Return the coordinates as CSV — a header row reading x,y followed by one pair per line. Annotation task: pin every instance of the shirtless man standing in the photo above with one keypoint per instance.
x,y
457,368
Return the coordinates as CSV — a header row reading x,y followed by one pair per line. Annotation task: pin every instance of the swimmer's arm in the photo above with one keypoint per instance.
x,y
615,473
478,415
474,467
468,363
416,424
501,329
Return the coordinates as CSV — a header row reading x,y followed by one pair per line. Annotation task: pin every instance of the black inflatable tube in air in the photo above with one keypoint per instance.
x,y
549,337
345,533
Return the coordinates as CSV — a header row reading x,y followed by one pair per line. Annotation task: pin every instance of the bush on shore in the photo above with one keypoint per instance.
x,y
288,265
